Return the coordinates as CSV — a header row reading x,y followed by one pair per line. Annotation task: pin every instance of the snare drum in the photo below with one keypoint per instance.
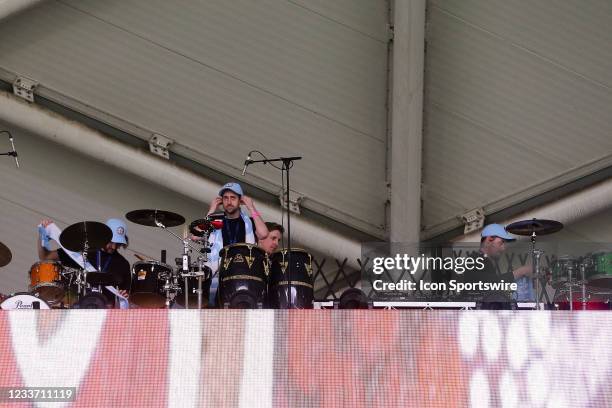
x,y
46,281
599,272
562,268
23,301
148,279
302,293
243,276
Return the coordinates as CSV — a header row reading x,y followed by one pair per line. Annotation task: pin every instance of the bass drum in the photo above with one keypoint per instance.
x,y
23,301
243,276
148,279
193,285
301,294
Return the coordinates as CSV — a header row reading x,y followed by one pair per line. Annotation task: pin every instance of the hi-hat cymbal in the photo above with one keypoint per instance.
x,y
540,227
96,234
5,255
148,218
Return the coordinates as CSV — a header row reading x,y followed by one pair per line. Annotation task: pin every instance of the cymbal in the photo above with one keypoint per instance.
x,y
95,233
540,227
148,218
5,255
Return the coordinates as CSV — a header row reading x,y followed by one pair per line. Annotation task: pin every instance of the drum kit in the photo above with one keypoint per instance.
x,y
581,283
248,276
157,284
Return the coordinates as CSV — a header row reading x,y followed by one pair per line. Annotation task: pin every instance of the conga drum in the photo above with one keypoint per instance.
x,y
291,286
243,276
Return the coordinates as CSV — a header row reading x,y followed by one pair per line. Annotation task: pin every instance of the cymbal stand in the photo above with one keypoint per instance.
x,y
199,274
84,270
536,269
570,270
583,284
172,281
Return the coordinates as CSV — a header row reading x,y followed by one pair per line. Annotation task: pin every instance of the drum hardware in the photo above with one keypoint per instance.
x,y
590,299
534,228
164,220
155,218
83,237
572,279
5,255
86,235
198,274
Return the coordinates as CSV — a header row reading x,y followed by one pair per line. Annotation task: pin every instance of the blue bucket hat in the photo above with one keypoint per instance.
x,y
496,230
119,230
233,187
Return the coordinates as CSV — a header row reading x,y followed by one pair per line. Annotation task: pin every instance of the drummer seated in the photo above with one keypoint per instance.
x,y
107,259
492,246
271,243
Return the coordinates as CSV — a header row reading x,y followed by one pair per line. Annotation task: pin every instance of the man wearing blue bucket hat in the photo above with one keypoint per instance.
x,y
107,259
238,227
493,240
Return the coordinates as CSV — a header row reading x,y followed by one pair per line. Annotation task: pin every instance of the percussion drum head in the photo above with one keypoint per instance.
x,y
23,301
148,279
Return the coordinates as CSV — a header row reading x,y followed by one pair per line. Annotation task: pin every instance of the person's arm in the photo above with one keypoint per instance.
x,y
525,270
260,226
43,253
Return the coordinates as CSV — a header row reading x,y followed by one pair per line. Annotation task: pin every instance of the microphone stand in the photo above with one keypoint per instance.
x,y
12,152
287,163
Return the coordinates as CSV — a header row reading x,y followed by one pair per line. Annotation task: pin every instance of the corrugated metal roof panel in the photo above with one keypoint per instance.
x,y
501,118
366,16
573,35
222,78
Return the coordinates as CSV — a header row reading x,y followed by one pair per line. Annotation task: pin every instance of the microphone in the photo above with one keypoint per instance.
x,y
246,163
14,152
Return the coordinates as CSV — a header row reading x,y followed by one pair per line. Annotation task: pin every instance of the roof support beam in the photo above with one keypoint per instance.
x,y
407,120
